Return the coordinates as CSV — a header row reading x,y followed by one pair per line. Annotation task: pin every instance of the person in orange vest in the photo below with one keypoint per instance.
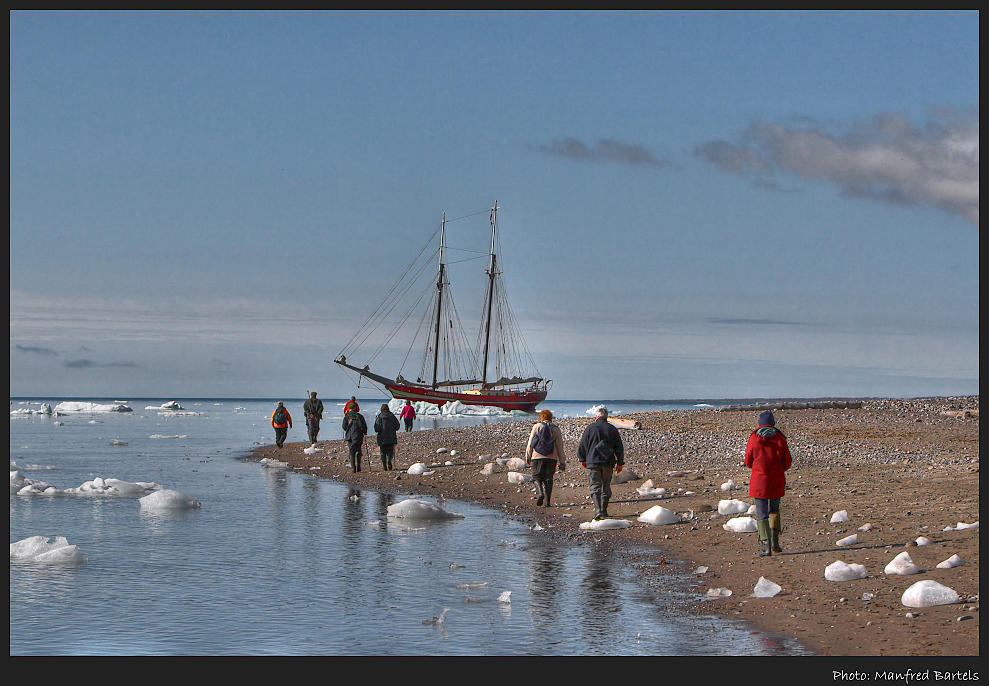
x,y
281,421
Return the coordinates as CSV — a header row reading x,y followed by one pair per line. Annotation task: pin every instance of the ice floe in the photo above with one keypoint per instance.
x,y
420,509
40,549
953,561
928,593
659,516
840,571
765,588
741,525
93,408
729,507
169,500
902,564
605,524
97,486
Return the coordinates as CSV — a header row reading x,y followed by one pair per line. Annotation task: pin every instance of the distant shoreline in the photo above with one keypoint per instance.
x,y
905,466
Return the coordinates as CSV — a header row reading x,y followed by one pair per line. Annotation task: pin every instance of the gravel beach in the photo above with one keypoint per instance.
x,y
904,470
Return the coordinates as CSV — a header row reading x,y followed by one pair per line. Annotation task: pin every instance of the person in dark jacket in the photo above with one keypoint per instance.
x,y
601,452
768,456
313,410
354,430
386,428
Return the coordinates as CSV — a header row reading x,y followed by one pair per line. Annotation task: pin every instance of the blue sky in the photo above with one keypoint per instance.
x,y
694,204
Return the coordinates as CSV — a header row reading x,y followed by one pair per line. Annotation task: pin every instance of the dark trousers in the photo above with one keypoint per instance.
x,y
280,436
763,506
387,456
355,456
408,424
313,425
600,482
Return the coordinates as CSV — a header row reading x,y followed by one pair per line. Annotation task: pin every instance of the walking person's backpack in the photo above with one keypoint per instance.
x,y
280,417
543,440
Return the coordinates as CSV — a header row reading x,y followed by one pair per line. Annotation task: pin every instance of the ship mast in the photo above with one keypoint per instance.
x,y
492,264
439,299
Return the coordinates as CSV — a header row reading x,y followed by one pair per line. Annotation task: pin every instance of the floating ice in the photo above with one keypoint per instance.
x,y
419,469
741,525
839,517
77,407
170,405
848,540
505,597
728,507
765,588
38,549
604,524
718,593
117,443
901,564
928,593
21,485
839,571
518,478
953,561
420,509
101,486
168,500
272,463
659,516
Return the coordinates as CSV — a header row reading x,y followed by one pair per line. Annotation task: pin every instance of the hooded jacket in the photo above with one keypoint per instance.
x,y
601,445
768,456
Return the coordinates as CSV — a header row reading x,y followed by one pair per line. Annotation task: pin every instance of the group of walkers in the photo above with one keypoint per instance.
x,y
600,452
386,428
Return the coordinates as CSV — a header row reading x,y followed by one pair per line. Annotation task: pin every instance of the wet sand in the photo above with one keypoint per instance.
x,y
909,468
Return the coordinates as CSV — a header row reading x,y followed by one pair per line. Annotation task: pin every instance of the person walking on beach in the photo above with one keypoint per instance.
x,y
602,453
354,430
408,415
281,421
351,406
768,456
386,428
544,453
313,409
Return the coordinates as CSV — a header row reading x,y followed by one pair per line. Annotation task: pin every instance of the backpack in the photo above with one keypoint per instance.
x,y
280,417
543,440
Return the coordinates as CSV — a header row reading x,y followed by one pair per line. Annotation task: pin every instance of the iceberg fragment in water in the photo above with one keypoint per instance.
x,y
39,549
169,500
420,509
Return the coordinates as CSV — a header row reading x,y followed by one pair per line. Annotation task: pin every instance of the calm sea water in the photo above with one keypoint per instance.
x,y
281,563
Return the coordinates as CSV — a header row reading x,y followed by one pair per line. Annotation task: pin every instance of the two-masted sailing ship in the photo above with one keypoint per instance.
x,y
496,370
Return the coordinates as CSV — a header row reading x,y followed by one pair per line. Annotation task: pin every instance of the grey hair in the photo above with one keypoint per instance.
x,y
602,411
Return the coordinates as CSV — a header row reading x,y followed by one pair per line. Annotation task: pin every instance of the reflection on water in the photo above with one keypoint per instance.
x,y
283,563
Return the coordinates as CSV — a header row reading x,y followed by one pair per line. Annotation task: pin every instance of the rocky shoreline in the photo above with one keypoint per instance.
x,y
902,470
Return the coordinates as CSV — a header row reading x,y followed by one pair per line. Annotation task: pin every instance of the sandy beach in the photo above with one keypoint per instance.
x,y
902,470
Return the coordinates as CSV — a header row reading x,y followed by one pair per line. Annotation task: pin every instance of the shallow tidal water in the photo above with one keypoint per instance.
x,y
281,563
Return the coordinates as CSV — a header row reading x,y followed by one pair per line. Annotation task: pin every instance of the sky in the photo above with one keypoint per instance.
x,y
692,204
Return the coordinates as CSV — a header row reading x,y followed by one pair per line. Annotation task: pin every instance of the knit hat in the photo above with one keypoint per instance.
x,y
767,419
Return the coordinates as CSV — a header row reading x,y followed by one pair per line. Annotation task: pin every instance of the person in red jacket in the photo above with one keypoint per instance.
x,y
281,420
768,456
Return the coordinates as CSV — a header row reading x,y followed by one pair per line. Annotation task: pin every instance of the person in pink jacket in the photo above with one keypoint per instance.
x,y
408,415
768,456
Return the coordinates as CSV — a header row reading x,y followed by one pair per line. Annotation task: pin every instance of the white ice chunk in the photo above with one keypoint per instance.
x,y
169,500
741,525
953,561
962,525
928,593
74,407
420,509
272,463
518,478
516,464
866,527
39,549
848,540
659,516
728,485
604,524
718,593
765,588
923,540
490,468
839,571
839,517
902,564
505,597
419,469
729,507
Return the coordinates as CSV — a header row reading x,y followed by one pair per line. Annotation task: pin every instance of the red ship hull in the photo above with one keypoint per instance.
x,y
525,401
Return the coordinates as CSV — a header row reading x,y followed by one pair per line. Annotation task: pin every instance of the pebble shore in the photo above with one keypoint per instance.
x,y
901,468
